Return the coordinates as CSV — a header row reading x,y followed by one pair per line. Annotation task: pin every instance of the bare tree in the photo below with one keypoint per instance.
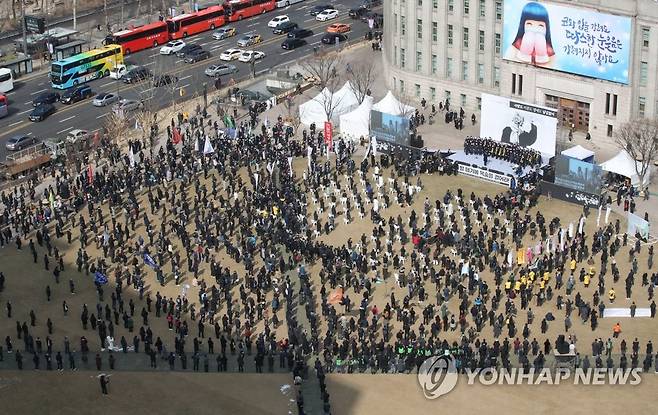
x,y
323,69
116,126
640,139
361,76
292,110
405,106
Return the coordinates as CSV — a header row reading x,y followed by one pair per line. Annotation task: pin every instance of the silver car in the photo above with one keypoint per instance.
x,y
250,39
105,98
127,105
221,69
19,142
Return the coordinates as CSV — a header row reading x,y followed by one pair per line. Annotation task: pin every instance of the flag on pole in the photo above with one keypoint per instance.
x,y
207,147
51,198
374,146
131,157
100,278
175,136
90,174
228,121
149,261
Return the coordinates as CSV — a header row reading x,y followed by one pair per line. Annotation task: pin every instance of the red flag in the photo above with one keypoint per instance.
x,y
90,174
328,134
175,136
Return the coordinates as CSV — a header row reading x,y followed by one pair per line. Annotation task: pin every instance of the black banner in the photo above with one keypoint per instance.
x,y
569,195
35,24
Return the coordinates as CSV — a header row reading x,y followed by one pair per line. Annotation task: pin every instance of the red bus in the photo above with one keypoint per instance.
x,y
142,37
241,9
189,24
4,106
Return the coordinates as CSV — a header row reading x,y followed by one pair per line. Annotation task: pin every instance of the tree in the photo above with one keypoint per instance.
x,y
323,69
640,139
405,106
292,111
116,126
361,76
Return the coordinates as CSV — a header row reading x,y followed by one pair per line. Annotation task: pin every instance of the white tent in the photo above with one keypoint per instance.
x,y
624,165
579,152
356,124
313,111
390,105
345,100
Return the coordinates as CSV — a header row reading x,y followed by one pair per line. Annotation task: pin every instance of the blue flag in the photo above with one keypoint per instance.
x,y
149,261
100,278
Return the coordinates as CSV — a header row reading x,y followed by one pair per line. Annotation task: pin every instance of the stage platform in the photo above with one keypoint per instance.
x,y
496,170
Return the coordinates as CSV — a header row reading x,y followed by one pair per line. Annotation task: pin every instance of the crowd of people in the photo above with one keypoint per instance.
x,y
513,153
241,223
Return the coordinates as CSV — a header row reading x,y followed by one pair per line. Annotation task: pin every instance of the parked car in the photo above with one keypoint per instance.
x,y
197,56
251,96
172,47
166,79
188,49
76,94
325,15
293,43
338,28
45,98
127,105
76,135
313,11
19,142
330,38
358,12
220,69
42,112
249,39
230,54
248,55
278,20
300,33
138,74
105,98
224,33
285,28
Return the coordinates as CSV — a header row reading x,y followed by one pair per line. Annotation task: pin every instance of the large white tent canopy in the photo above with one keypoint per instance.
x,y
624,165
390,105
313,110
345,100
579,152
340,102
356,124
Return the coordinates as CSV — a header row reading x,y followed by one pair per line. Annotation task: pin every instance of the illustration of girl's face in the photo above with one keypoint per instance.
x,y
536,26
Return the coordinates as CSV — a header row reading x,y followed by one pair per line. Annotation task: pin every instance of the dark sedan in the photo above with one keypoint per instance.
x,y
330,38
300,33
318,9
45,98
41,112
290,44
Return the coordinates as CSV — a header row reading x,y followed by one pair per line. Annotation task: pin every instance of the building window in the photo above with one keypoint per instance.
x,y
464,70
402,57
481,40
644,72
419,3
462,99
607,103
465,37
435,32
417,88
435,4
480,73
479,101
642,103
419,61
432,93
496,76
483,10
467,7
401,86
513,84
419,28
403,24
614,104
434,64
646,34
395,55
447,94
520,87
497,43
450,34
451,5
395,22
609,133
449,68
499,10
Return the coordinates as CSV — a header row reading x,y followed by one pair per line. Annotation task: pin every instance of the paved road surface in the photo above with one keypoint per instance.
x,y
191,77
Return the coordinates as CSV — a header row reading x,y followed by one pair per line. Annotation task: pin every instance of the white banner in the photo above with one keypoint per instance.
x,y
485,174
519,123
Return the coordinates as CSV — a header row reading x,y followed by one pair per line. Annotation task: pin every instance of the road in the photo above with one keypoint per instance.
x,y
191,76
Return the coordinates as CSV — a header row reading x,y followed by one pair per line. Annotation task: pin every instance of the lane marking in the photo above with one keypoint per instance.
x,y
150,63
103,115
15,123
107,84
64,130
69,118
28,103
185,86
185,77
24,112
38,92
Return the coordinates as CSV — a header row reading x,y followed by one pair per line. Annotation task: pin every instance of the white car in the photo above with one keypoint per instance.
x,y
230,54
75,135
278,20
248,55
172,47
327,14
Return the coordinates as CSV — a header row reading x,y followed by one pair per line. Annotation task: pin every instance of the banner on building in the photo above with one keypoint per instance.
x,y
483,174
567,39
515,122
